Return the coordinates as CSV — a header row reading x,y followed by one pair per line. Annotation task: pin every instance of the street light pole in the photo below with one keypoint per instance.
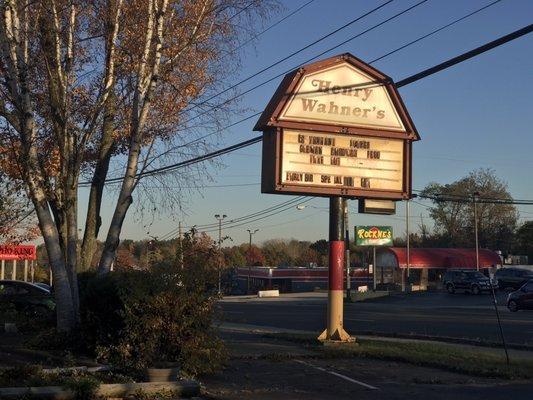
x,y
346,246
249,261
475,198
220,218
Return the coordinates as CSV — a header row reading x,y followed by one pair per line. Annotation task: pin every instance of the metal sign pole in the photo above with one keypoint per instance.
x,y
374,274
374,268
347,247
495,302
335,330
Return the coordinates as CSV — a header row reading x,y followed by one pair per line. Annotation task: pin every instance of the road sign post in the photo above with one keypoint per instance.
x,y
335,329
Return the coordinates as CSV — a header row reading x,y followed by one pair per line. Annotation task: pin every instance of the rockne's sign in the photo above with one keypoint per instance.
x,y
373,235
337,127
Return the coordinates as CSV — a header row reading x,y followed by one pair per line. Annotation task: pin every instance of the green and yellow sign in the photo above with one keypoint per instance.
x,y
373,235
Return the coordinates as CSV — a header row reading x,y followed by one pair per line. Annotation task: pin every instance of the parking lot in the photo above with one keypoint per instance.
x,y
431,313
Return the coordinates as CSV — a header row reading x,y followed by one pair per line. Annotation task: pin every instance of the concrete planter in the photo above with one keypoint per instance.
x,y
168,374
354,296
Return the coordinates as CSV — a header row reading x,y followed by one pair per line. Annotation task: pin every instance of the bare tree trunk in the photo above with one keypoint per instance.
x,y
123,204
113,235
72,250
94,220
62,291
147,76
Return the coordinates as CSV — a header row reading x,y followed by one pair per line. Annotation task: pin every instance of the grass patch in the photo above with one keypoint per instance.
x,y
445,357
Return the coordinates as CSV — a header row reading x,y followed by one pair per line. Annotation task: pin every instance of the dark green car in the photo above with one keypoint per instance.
x,y
467,280
26,297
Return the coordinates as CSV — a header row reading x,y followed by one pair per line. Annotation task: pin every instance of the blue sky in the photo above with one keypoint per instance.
x,y
476,114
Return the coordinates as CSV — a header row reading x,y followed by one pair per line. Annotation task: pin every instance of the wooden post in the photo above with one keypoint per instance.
x,y
32,269
14,271
25,270
3,270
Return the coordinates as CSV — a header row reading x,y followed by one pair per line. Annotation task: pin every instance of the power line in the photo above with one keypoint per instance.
x,y
243,220
308,60
206,186
435,31
185,163
290,202
466,56
262,217
404,82
404,46
271,26
482,200
289,56
118,179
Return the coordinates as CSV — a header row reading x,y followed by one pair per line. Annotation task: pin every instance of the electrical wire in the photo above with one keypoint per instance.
x,y
259,218
308,60
290,203
118,179
402,47
404,82
272,26
289,56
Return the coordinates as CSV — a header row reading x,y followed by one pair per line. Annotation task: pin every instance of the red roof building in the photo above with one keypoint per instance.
x,y
396,257
427,266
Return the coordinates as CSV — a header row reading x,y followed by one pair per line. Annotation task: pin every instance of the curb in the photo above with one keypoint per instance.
x,y
183,388
445,340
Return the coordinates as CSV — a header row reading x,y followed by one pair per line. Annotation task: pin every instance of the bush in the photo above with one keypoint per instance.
x,y
138,319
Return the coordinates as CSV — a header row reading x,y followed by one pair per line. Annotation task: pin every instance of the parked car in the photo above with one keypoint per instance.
x,y
44,286
26,296
521,299
512,277
467,280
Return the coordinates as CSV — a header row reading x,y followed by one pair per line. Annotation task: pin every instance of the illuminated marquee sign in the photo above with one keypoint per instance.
x,y
17,252
337,127
328,160
373,235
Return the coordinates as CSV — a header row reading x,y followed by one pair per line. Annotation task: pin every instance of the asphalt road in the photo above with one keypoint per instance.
x,y
434,314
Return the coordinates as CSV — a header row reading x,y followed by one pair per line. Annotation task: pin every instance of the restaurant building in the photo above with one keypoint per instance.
x,y
426,268
428,265
295,279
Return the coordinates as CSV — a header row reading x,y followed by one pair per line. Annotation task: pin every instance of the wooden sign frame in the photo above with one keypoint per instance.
x,y
273,127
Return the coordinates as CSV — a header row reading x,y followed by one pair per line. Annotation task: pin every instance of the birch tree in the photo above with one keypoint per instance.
x,y
87,83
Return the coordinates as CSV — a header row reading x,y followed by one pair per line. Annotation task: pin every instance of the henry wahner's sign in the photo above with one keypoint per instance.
x,y
337,127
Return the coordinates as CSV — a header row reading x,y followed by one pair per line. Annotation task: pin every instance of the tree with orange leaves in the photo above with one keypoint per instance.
x,y
91,85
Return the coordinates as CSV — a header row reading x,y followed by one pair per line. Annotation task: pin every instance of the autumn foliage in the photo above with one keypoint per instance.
x,y
107,88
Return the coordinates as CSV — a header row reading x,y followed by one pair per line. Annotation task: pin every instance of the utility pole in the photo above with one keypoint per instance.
x,y
180,244
476,198
220,218
347,246
249,260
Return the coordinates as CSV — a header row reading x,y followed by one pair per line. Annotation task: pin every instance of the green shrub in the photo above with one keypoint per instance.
x,y
83,387
138,319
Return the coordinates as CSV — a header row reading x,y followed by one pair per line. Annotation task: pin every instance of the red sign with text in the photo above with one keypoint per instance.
x,y
18,252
